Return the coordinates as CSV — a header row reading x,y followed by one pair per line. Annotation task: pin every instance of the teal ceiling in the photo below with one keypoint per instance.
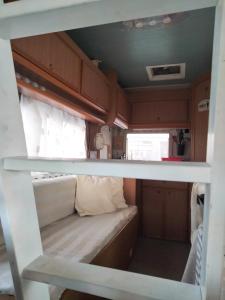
x,y
129,51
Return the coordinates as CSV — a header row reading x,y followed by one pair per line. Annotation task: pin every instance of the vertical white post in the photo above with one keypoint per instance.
x,y
17,204
216,157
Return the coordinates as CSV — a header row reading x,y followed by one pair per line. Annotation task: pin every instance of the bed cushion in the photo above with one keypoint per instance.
x,y
55,198
97,195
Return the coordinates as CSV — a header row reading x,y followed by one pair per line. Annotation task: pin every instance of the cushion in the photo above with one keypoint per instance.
x,y
55,198
99,195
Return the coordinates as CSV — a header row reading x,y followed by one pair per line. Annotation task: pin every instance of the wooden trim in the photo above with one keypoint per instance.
x,y
121,123
45,75
53,99
159,125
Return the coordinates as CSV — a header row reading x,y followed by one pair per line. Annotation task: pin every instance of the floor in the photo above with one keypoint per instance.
x,y
166,259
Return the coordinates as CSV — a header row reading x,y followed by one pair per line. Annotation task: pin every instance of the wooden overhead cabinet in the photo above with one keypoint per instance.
x,y
95,86
54,55
55,60
159,108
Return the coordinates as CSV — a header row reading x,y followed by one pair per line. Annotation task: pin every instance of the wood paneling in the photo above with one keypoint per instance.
x,y
176,216
165,210
159,108
94,86
130,190
53,55
152,212
201,91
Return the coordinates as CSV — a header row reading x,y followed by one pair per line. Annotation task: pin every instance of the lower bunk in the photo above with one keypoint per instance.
x,y
105,240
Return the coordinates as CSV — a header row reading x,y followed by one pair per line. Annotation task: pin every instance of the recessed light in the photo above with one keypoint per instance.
x,y
152,22
167,20
139,24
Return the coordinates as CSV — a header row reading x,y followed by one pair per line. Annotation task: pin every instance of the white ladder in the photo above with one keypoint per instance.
x,y
30,268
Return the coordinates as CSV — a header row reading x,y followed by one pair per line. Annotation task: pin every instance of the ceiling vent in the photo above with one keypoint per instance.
x,y
166,72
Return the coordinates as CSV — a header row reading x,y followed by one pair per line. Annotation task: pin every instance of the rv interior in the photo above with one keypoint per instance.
x,y
134,90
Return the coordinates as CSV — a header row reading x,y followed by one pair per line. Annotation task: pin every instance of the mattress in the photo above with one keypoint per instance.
x,y
76,238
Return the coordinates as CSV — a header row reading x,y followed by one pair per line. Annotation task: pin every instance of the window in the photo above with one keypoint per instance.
x,y
51,132
147,146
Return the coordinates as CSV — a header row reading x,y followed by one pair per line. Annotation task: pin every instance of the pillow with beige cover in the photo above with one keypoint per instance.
x,y
99,195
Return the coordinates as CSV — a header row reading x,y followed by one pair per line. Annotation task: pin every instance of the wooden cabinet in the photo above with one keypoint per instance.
x,y
123,109
159,108
54,55
95,86
156,112
165,210
56,60
201,91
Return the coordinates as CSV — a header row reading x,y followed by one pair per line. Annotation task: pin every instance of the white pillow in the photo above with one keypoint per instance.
x,y
98,195
116,185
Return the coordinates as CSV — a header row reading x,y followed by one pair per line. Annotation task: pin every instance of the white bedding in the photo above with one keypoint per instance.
x,y
76,238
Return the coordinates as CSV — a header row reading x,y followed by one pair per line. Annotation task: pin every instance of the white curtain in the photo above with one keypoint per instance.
x,y
51,132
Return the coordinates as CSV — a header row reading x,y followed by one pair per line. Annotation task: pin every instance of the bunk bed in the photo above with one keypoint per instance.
x,y
105,240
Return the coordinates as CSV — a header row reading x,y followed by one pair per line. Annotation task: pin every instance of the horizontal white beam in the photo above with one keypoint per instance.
x,y
106,282
32,17
170,171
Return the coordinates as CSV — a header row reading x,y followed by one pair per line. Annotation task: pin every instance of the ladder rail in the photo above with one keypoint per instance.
x,y
106,282
169,171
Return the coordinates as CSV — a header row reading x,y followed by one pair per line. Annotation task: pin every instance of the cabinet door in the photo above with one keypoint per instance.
x,y
176,214
152,212
122,106
94,86
157,112
51,53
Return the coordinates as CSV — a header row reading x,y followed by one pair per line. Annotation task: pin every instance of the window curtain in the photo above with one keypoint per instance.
x,y
51,132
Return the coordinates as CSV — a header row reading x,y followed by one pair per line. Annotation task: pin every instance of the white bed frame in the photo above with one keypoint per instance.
x,y
30,269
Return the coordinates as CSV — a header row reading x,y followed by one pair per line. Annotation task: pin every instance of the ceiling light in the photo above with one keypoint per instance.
x,y
139,24
152,22
167,20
